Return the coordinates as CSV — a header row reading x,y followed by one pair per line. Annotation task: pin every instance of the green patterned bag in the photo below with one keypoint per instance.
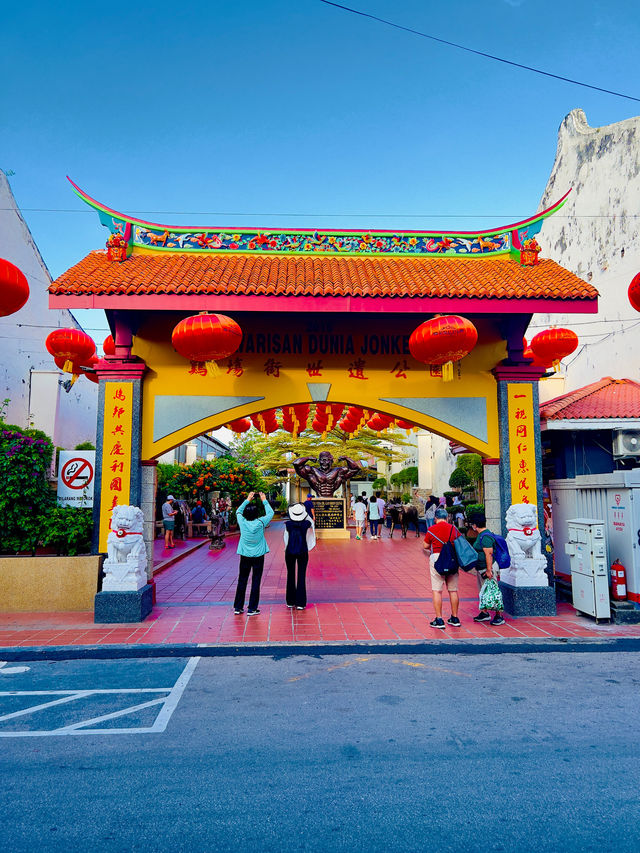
x,y
490,596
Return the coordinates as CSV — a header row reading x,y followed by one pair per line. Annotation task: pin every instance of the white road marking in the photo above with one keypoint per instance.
x,y
13,670
168,703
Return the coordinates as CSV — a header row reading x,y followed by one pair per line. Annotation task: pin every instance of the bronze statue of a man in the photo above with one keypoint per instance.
x,y
325,479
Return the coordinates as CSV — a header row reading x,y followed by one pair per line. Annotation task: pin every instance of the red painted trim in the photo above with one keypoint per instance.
x,y
155,225
342,304
518,372
633,596
110,369
490,461
563,576
150,463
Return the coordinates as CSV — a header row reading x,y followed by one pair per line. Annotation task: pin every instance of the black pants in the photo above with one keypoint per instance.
x,y
247,565
296,589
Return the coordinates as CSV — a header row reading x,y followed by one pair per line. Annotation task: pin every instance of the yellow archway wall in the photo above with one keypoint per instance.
x,y
287,359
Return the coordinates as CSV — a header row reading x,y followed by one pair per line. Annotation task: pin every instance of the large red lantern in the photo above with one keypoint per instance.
x,y
206,338
443,340
109,346
14,288
530,354
634,292
240,425
552,345
72,345
77,369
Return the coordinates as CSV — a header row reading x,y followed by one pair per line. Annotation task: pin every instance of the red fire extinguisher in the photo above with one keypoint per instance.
x,y
618,581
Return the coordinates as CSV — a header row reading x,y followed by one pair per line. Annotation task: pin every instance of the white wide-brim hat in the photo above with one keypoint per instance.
x,y
297,512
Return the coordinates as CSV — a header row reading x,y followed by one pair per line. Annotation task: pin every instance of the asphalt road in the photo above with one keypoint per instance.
x,y
510,752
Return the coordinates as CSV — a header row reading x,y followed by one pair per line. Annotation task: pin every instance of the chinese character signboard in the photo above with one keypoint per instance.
x,y
75,477
522,445
116,452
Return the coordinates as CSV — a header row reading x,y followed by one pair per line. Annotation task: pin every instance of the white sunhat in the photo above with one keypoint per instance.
x,y
297,512
170,498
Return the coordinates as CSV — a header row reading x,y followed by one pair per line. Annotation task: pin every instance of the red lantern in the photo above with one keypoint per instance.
x,y
404,425
529,353
14,288
443,340
634,292
240,425
72,345
206,338
552,345
109,346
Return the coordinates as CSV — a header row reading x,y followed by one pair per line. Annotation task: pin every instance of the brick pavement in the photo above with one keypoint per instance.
x,y
358,591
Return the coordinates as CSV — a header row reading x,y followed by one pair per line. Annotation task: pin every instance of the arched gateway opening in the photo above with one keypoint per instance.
x,y
326,318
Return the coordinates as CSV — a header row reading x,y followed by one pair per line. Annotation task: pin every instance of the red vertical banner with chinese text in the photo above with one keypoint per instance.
x,y
522,444
116,452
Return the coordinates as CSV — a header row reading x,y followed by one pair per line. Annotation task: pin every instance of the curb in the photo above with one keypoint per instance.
x,y
175,558
283,650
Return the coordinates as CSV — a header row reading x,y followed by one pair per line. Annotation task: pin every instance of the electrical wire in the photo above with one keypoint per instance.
x,y
477,52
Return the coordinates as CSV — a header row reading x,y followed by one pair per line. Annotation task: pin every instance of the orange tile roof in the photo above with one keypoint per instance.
x,y
606,398
320,275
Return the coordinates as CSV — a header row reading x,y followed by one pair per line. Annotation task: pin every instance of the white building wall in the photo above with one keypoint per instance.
x,y
597,236
28,377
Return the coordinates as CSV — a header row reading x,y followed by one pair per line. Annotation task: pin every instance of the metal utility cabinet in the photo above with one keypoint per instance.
x,y
587,551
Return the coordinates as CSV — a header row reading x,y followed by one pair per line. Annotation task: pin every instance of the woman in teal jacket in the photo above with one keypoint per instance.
x,y
251,548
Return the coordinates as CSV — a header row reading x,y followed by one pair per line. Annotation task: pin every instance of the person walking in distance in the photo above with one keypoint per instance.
x,y
360,516
486,568
374,516
434,539
252,547
308,505
381,511
299,539
169,521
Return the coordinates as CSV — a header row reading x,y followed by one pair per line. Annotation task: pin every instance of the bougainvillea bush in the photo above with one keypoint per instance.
x,y
194,482
25,495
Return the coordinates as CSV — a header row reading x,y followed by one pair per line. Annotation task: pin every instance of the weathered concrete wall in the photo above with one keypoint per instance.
x,y
28,376
597,236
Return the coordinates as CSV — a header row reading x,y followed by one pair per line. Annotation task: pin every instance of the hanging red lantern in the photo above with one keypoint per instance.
x,y
77,369
109,346
443,340
552,345
72,345
529,353
206,338
634,292
240,425
404,425
14,288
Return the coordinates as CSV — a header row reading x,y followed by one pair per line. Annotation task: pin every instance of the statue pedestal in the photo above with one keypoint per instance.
x,y
331,518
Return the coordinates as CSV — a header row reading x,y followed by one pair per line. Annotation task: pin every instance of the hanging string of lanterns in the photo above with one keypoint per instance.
x,y
294,418
14,288
442,341
240,425
206,338
266,422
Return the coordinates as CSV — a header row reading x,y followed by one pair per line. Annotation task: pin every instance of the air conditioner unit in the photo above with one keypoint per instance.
x,y
626,442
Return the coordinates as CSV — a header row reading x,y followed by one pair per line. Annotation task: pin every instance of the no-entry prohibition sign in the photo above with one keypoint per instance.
x,y
75,481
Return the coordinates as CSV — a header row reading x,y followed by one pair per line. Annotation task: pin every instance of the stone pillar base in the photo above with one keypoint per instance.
x,y
528,600
123,606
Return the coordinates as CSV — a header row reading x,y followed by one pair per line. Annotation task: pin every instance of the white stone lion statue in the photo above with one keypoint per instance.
x,y
126,562
523,541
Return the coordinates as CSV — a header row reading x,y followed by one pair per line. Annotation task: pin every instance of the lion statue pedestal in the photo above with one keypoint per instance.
x,y
126,595
525,585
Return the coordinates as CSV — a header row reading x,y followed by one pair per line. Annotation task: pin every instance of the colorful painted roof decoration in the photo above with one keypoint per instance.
x,y
606,398
140,235
157,266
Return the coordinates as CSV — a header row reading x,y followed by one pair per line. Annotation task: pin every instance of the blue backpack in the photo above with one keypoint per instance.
x,y
500,551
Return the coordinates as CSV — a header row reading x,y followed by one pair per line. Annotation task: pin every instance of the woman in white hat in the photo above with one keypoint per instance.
x,y
299,539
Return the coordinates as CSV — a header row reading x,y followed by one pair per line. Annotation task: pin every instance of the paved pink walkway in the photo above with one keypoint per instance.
x,y
366,590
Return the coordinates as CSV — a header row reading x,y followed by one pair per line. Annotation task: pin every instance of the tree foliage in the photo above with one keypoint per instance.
x,y
459,479
406,477
472,464
194,482
275,453
25,497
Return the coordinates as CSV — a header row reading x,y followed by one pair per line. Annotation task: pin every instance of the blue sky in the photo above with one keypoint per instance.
x,y
284,107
